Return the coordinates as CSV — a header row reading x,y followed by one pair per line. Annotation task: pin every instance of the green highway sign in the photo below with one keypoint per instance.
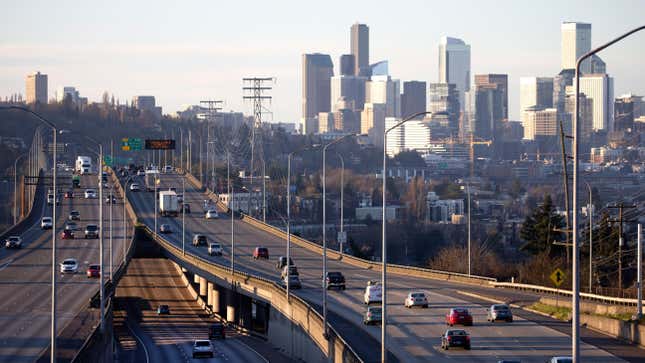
x,y
107,160
131,144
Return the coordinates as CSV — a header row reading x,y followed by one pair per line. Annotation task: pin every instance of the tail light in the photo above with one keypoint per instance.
x,y
467,338
449,338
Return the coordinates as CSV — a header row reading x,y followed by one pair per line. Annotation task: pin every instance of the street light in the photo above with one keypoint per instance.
x,y
590,212
384,238
575,297
53,291
183,215
125,223
342,205
15,188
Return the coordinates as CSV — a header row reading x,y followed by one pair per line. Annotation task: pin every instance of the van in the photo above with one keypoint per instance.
x,y
373,293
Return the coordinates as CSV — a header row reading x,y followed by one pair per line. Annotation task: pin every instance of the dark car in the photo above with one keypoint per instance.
x,y
69,195
93,271
335,279
67,234
260,252
459,316
282,261
455,338
199,240
74,215
186,207
216,331
91,231
163,310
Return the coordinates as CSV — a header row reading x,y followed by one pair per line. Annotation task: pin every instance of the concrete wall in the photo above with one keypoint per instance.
x,y
590,307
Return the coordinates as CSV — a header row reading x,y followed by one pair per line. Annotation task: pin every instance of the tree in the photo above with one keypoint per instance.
x,y
415,198
538,230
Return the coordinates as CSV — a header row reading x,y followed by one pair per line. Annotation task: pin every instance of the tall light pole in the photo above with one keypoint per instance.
x,y
231,200
575,297
324,228
125,223
111,251
102,267
469,265
342,205
384,237
288,216
590,212
15,188
183,215
53,291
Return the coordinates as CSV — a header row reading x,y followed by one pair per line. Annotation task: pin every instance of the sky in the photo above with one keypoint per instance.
x,y
186,51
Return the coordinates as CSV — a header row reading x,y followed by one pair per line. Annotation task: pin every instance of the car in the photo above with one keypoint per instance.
x,y
141,173
180,197
173,189
217,331
67,234
90,194
499,312
211,214
455,338
93,271
69,195
163,310
215,249
165,228
69,265
373,293
135,187
72,226
335,279
260,252
13,242
290,270
202,348
46,223
373,315
416,298
50,199
294,282
282,261
110,199
186,207
167,169
199,240
74,215
459,316
560,360
91,231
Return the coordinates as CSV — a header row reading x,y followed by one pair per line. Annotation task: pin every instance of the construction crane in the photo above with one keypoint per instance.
x,y
474,142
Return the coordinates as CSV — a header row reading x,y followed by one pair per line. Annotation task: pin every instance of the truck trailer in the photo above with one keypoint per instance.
x,y
168,203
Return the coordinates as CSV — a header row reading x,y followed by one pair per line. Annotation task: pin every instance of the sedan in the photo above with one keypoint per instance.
x,y
74,215
90,194
67,234
72,226
91,231
134,187
93,271
69,265
416,298
46,223
13,242
373,315
69,195
165,228
211,214
499,312
455,338
202,348
459,316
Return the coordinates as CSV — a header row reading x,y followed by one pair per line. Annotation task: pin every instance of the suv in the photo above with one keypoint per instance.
x,y
282,262
13,242
499,312
260,252
91,231
46,223
215,249
335,279
199,239
90,194
373,293
202,348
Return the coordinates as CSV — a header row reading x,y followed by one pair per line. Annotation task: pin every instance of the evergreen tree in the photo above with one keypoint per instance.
x,y
538,229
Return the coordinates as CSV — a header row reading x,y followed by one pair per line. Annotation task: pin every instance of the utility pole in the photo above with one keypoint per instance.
x,y
565,157
621,240
639,270
254,90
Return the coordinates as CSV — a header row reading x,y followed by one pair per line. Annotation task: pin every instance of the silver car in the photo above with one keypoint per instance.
x,y
499,312
202,348
69,265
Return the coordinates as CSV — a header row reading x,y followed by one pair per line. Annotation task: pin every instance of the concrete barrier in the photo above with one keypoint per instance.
x,y
626,330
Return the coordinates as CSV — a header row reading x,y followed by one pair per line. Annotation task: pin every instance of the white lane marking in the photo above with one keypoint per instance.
x,y
6,264
253,350
145,350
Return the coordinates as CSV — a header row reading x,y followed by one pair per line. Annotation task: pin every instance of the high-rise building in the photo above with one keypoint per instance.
x,y
373,122
627,108
350,90
535,91
413,99
444,97
540,122
379,69
385,90
585,110
325,122
317,70
346,120
360,45
500,81
575,42
600,89
395,139
454,65
561,81
68,91
488,113
346,64
417,135
36,88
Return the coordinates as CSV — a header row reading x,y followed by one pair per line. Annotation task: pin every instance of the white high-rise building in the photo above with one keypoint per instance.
x,y
535,92
417,135
540,122
454,65
36,88
396,137
385,90
600,89
575,41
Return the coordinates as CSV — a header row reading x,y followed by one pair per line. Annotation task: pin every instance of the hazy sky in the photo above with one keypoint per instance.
x,y
186,51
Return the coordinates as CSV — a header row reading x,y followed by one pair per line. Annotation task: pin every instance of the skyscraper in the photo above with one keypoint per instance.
x,y
627,108
373,122
454,65
488,113
444,97
500,81
540,122
600,89
360,45
385,90
346,64
317,70
535,91
575,41
413,99
36,88
348,89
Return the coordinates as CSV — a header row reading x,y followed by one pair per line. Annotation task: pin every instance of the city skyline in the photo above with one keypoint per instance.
x,y
179,67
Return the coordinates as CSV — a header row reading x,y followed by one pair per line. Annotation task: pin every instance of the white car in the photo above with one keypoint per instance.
x,y
373,293
134,187
416,298
69,265
202,348
211,214
561,360
13,242
141,173
215,249
46,223
90,194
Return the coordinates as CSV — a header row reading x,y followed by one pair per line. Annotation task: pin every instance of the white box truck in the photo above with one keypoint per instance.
x,y
83,165
168,203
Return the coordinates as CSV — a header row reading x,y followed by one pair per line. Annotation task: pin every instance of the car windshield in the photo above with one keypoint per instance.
x,y
94,267
92,227
460,311
418,295
47,219
202,343
500,307
215,245
69,262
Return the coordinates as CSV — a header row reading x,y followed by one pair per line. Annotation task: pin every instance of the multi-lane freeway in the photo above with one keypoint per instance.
x,y
25,275
413,334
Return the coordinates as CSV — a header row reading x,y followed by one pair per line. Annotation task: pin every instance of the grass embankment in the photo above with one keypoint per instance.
x,y
564,313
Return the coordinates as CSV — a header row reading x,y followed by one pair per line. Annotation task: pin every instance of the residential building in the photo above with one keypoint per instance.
x,y
346,64
454,65
392,213
373,122
444,97
600,89
417,135
360,47
540,121
36,88
385,90
413,99
535,92
317,70
500,82
396,137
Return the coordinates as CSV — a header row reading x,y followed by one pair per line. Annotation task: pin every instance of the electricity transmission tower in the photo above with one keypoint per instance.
x,y
211,107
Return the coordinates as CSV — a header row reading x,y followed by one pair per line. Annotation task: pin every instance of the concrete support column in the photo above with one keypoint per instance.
x,y
203,287
209,294
231,302
196,278
245,312
215,298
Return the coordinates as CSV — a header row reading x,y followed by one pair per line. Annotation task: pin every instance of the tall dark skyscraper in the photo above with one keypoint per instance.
x,y
488,112
500,81
317,70
360,45
347,62
413,99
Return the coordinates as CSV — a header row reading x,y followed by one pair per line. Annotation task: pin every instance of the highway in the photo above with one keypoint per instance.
x,y
150,282
25,276
413,334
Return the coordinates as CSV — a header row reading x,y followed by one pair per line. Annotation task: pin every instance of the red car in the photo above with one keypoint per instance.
x,y
67,234
69,195
93,271
260,252
459,316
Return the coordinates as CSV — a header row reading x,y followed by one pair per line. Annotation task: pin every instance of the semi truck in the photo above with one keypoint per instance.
x,y
168,203
83,165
